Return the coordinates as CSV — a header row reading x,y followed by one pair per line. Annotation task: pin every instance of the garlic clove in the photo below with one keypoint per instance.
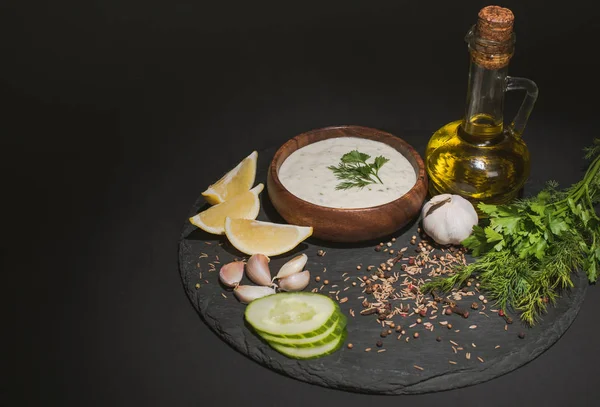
x,y
449,219
257,269
248,293
231,273
293,266
295,282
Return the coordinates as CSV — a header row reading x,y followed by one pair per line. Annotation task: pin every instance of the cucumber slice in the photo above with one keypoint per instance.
x,y
294,315
331,334
311,353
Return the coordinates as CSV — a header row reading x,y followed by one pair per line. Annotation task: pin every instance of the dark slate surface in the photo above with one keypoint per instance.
x,y
389,372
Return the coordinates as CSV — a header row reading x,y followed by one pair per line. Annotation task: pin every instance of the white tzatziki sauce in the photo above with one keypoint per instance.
x,y
305,174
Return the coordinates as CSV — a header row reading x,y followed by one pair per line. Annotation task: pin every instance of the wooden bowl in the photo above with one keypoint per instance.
x,y
347,225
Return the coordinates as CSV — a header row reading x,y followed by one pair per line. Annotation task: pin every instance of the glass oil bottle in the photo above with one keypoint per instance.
x,y
479,157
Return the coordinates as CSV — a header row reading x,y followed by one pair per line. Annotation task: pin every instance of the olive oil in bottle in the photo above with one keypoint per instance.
x,y
479,157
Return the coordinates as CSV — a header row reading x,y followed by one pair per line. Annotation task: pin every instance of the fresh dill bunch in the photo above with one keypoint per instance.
x,y
354,171
593,150
527,251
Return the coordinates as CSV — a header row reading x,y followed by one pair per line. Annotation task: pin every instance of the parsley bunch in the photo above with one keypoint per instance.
x,y
527,250
356,172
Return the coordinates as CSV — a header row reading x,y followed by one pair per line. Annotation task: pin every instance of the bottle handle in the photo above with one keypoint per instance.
x,y
520,121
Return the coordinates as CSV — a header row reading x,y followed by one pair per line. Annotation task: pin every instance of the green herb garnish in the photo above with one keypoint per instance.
x,y
527,250
356,172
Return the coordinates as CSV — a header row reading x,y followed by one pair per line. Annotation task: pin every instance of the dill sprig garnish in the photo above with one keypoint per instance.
x,y
527,251
354,170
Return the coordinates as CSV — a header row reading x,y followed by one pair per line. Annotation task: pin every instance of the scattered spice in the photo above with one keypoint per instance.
x,y
521,335
418,367
368,311
321,253
389,294
379,344
480,359
349,346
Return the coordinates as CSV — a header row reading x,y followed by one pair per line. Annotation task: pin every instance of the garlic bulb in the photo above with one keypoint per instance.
x,y
231,273
448,219
248,293
258,270
293,266
295,282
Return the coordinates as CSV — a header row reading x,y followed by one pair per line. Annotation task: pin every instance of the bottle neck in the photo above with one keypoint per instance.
x,y
484,114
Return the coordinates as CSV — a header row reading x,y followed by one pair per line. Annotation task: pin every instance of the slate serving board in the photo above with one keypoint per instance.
x,y
391,371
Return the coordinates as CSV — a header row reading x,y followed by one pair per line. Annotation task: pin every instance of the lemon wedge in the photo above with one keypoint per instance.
x,y
245,206
238,180
253,236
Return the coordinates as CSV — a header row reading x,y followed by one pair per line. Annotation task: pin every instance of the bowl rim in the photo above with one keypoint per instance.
x,y
421,176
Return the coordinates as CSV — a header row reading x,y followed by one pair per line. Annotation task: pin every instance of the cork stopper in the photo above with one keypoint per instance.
x,y
495,23
492,41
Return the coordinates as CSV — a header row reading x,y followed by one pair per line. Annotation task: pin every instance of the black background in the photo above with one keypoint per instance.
x,y
116,114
